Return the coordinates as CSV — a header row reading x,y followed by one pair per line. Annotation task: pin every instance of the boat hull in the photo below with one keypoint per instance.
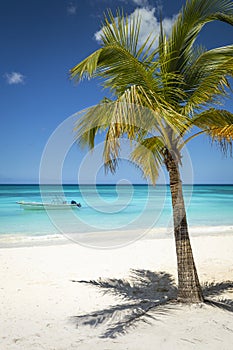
x,y
46,206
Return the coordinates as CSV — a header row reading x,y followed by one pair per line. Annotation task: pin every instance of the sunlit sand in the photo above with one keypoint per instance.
x,y
48,301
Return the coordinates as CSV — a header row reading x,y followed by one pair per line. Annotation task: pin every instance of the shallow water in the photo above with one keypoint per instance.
x,y
110,207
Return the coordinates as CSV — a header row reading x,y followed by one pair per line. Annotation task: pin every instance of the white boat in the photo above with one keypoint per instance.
x,y
47,206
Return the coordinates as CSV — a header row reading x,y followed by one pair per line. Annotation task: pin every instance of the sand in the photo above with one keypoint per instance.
x,y
43,306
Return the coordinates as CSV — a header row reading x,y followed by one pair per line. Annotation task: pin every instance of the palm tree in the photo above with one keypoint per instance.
x,y
160,95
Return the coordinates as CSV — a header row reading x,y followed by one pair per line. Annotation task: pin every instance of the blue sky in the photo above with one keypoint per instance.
x,y
40,41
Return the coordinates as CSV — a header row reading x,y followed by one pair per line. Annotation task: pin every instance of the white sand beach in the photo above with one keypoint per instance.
x,y
40,298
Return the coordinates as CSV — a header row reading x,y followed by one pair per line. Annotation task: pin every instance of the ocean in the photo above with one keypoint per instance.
x,y
110,209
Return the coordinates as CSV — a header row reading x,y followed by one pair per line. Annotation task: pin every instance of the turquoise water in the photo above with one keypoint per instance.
x,y
110,207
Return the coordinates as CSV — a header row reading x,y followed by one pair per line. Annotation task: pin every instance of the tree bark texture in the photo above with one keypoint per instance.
x,y
189,289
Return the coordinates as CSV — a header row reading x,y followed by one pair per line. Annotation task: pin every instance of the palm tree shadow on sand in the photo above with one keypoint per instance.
x,y
147,296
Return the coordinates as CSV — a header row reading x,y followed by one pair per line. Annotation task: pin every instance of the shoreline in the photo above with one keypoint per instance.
x,y
87,238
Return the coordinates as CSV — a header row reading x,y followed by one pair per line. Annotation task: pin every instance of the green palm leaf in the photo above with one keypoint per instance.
x,y
193,16
148,157
206,78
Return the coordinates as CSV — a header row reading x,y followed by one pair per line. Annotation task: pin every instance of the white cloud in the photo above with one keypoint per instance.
x,y
149,24
97,35
71,9
14,78
143,3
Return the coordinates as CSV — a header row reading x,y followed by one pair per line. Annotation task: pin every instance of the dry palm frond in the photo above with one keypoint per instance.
x,y
218,124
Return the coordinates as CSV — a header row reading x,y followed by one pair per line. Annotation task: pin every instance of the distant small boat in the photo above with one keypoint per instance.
x,y
48,206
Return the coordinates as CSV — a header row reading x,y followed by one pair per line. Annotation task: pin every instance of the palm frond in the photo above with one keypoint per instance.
x,y
193,16
206,77
218,124
121,61
135,114
121,30
148,156
118,119
125,31
88,68
153,112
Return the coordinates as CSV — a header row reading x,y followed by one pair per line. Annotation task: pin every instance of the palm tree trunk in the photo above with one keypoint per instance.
x,y
189,289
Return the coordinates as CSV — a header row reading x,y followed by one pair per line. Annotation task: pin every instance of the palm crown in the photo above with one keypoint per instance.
x,y
177,83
